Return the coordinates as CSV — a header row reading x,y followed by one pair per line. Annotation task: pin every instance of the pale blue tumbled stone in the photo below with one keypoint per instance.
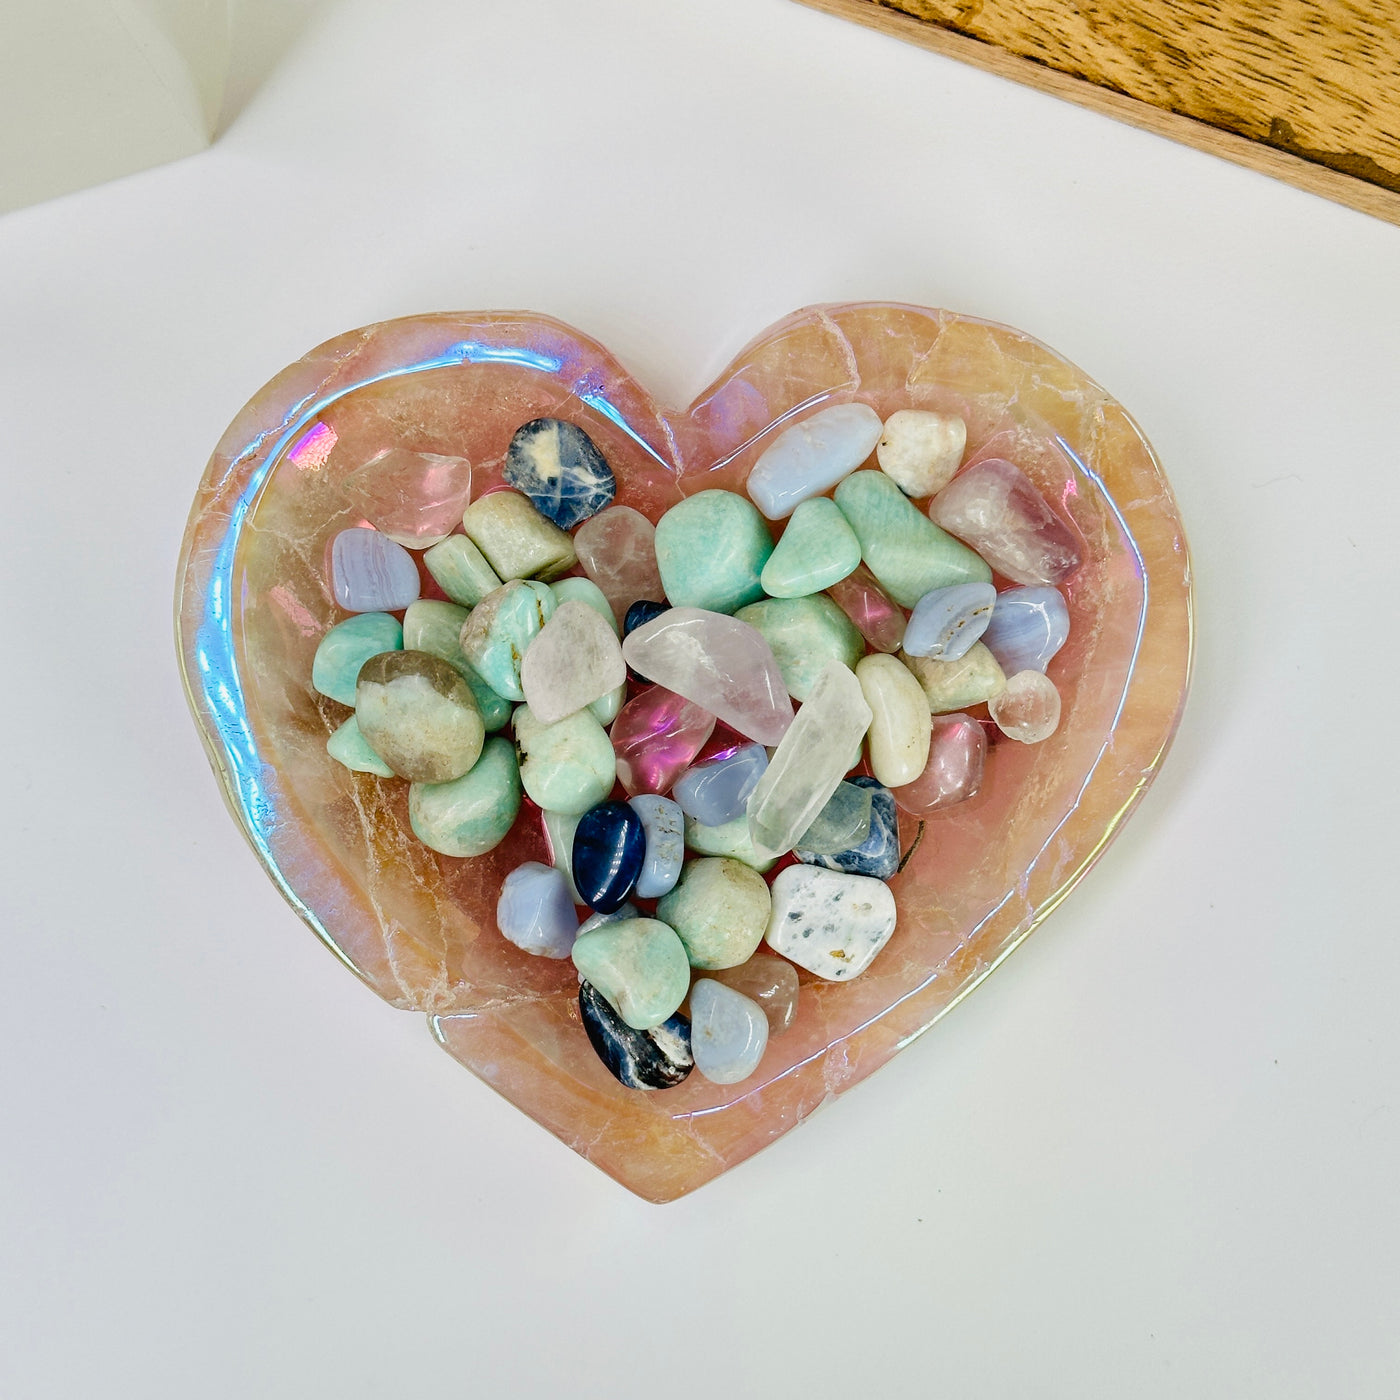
x,y
664,824
370,573
728,1032
717,791
558,466
535,912
812,456
618,916
1028,626
946,622
346,647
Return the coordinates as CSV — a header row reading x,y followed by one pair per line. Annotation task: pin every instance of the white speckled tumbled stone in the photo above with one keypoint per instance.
x,y
370,573
728,1032
664,824
535,913
900,726
812,456
920,450
575,660
830,923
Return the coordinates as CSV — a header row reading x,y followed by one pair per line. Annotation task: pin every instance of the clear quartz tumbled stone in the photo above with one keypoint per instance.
x,y
416,498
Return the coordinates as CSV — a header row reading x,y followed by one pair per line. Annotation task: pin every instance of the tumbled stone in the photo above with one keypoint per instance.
x,y
878,618
416,498
771,982
419,716
575,660
639,966
877,853
436,627
1028,710
346,647
718,791
656,735
844,822
370,573
899,726
946,622
663,824
641,612
559,828
719,910
1028,626
623,912
475,813
711,549
804,634
728,1032
351,749
817,549
953,773
460,569
605,708
733,839
812,456
559,467
584,590
610,848
499,630
618,552
920,450
535,912
830,923
658,1058
566,767
904,549
956,685
516,539
720,663
995,509
810,761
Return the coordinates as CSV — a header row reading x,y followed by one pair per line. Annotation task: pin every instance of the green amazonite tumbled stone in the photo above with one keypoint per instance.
x,y
567,767
499,629
817,549
584,590
639,965
516,539
604,709
719,910
805,634
729,839
419,716
461,570
473,814
711,549
436,628
349,747
901,546
347,646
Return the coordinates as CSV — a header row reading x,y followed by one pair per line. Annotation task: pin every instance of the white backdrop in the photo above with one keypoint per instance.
x,y
1155,1155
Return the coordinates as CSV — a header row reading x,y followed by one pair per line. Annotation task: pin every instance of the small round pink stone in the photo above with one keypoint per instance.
x,y
617,551
656,736
956,757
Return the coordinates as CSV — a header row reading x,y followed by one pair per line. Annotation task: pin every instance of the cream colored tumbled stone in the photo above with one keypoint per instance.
x,y
899,726
575,660
516,539
957,685
920,451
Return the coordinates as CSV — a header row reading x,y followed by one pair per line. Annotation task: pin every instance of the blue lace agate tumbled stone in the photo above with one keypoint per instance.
x,y
946,622
718,791
1028,626
370,573
658,1058
559,467
610,848
878,854
535,911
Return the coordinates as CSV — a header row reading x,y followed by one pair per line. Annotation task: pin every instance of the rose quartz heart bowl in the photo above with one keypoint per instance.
x,y
419,928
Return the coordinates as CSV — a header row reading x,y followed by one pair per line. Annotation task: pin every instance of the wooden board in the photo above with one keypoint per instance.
x,y
1308,93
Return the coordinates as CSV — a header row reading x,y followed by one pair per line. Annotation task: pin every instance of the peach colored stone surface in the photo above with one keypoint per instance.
x,y
417,927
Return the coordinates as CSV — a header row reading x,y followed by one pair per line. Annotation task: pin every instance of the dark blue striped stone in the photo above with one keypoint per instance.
x,y
610,848
656,1059
878,854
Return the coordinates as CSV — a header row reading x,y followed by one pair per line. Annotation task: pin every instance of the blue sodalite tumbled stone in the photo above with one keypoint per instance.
x,y
878,854
640,613
1028,626
558,466
656,1059
610,848
718,791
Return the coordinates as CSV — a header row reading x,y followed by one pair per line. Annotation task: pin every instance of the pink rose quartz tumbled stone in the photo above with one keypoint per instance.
x,y
956,758
617,551
656,736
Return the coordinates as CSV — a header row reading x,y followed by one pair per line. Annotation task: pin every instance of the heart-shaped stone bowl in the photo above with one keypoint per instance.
x,y
419,928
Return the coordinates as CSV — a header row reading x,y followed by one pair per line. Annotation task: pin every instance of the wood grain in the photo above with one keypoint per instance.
x,y
1307,93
